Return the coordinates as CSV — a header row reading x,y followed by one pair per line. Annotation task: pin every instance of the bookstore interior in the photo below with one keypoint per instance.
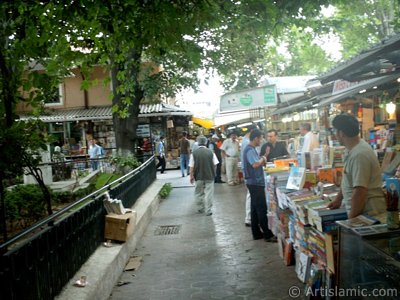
x,y
329,250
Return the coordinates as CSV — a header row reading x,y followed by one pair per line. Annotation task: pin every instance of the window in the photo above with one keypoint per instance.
x,y
54,96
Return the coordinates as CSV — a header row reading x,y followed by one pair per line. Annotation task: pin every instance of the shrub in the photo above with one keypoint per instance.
x,y
165,190
25,205
124,162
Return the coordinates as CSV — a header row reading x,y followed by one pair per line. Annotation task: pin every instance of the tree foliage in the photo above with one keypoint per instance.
x,y
362,23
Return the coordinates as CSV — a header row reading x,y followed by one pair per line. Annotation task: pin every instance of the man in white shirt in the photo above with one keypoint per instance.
x,y
230,151
310,140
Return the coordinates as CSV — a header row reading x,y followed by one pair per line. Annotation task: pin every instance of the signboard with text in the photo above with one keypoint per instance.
x,y
264,96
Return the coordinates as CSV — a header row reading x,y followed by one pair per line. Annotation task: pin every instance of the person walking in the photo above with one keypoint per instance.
x,y
230,151
184,148
273,149
161,155
202,164
255,182
360,189
214,147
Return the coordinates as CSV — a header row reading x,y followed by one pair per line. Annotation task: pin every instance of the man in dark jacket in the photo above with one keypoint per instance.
x,y
202,173
273,149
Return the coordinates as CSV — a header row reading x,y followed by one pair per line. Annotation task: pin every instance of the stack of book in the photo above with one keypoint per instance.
x,y
323,218
316,244
114,206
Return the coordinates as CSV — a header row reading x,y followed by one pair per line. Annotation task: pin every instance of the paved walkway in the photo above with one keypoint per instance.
x,y
212,257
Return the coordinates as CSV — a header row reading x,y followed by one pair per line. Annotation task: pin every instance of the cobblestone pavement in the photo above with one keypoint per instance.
x,y
212,257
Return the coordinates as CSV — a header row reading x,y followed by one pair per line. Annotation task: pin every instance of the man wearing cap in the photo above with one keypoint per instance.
x,y
361,191
230,151
214,147
202,172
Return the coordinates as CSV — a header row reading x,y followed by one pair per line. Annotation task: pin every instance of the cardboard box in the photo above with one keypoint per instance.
x,y
119,227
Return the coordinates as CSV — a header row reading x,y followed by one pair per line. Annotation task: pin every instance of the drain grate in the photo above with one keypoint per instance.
x,y
167,229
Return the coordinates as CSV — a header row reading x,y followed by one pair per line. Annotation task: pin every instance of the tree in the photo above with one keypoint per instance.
x,y
175,38
24,38
362,23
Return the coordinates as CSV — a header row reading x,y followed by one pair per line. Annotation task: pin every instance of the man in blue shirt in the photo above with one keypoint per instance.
x,y
254,176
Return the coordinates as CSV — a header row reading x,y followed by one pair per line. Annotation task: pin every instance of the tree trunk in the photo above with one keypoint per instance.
x,y
125,129
37,173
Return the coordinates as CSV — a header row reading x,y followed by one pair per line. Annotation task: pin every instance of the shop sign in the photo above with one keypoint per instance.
x,y
247,99
143,130
339,86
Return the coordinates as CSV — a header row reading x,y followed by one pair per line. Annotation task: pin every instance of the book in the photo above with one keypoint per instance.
x,y
296,178
359,221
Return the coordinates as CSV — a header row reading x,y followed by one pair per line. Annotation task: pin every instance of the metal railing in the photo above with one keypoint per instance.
x,y
38,262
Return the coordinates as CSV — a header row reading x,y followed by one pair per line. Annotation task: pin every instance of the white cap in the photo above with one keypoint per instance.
x,y
57,149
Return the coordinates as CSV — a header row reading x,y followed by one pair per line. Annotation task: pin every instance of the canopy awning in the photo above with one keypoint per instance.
x,y
203,122
364,85
105,113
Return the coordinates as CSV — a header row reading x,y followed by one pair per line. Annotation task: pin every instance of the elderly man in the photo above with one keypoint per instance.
x,y
361,190
202,172
230,151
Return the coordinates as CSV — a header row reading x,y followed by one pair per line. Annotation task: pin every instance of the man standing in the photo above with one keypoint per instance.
x,y
360,189
184,148
310,140
245,142
161,155
255,182
94,154
273,149
230,151
202,172
214,147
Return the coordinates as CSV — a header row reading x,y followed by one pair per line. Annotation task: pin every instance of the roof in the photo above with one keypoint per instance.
x,y
105,113
288,84
381,59
355,89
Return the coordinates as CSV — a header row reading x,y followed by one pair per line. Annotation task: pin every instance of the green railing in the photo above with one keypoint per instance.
x,y
38,262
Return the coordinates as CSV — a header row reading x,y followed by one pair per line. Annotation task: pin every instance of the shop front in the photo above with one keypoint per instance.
x,y
74,128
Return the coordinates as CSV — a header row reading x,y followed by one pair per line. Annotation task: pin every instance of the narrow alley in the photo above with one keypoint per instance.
x,y
207,257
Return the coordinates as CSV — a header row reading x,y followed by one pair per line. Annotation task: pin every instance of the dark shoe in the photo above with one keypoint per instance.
x,y
209,214
257,238
272,240
183,175
247,224
220,181
200,211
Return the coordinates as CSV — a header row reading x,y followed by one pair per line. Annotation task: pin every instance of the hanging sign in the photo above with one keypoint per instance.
x,y
264,96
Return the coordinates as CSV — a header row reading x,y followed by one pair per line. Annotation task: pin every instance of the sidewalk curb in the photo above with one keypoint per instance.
x,y
105,265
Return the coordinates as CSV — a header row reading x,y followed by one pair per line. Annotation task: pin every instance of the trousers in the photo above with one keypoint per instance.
x,y
259,217
203,194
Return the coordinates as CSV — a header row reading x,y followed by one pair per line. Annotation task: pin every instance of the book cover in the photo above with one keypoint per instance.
x,y
359,221
296,178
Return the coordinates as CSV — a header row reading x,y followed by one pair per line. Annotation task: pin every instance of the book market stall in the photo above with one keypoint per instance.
x,y
326,247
